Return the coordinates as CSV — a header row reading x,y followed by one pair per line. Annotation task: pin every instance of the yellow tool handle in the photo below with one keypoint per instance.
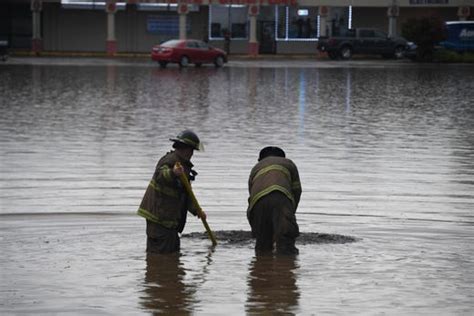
x,y
188,188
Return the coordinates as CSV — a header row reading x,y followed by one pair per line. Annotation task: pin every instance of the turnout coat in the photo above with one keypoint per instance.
x,y
166,202
274,174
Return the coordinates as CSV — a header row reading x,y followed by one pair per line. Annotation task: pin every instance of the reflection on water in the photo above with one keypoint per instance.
x,y
348,91
164,289
273,288
302,103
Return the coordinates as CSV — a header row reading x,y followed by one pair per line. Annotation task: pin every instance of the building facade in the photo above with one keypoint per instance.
x,y
242,26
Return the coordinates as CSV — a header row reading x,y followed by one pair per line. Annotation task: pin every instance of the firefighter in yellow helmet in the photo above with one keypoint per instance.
x,y
275,191
166,203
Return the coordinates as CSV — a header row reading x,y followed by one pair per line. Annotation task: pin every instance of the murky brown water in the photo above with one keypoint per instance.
x,y
385,153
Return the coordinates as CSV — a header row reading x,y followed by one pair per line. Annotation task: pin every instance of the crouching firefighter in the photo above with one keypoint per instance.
x,y
275,191
166,203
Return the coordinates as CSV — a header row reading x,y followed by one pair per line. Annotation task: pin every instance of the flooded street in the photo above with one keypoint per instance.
x,y
385,152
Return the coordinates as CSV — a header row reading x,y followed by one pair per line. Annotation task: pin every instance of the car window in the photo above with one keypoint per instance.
x,y
348,33
171,43
203,45
367,33
191,44
380,34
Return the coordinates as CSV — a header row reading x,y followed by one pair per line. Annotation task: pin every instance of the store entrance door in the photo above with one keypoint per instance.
x,y
266,37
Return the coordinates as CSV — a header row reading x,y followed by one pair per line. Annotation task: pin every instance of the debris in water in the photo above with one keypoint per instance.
x,y
243,237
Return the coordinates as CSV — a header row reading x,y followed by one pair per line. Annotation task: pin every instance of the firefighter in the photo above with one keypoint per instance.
x,y
275,191
165,203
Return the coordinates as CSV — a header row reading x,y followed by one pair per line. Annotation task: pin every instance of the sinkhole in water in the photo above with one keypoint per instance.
x,y
242,237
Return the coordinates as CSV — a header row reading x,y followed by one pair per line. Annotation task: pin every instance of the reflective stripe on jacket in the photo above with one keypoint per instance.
x,y
274,174
155,219
165,198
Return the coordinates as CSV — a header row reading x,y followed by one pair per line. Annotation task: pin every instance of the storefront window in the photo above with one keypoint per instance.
x,y
165,25
228,20
339,20
297,23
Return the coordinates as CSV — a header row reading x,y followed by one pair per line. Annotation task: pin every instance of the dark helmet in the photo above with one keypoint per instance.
x,y
271,151
189,138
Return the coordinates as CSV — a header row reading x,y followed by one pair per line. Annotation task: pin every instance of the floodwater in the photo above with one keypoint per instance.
x,y
385,152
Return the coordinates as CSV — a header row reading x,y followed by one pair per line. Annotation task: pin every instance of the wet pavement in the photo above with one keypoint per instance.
x,y
385,151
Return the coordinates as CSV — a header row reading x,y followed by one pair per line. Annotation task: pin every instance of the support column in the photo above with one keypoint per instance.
x,y
323,23
392,12
463,13
183,11
254,10
111,43
36,40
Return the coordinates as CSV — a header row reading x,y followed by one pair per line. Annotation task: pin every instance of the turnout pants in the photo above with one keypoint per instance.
x,y
273,221
161,239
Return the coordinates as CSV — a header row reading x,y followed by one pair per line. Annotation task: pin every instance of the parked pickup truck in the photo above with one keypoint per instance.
x,y
363,41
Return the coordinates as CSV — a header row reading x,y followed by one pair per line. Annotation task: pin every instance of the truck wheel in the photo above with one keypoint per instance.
x,y
346,52
163,63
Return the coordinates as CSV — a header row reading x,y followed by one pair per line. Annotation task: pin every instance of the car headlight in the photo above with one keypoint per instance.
x,y
411,45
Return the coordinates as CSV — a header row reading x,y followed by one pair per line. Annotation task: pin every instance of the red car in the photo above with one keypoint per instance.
x,y
185,52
